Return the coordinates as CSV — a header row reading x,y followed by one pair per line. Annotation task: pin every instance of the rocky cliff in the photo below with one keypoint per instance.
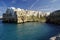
x,y
20,16
54,17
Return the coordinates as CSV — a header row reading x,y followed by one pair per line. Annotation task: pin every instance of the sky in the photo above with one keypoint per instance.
x,y
39,5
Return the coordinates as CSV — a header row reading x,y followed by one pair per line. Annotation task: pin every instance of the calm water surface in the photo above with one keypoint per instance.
x,y
28,31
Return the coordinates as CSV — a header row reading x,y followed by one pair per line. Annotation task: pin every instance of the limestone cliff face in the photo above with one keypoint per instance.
x,y
20,16
23,19
29,16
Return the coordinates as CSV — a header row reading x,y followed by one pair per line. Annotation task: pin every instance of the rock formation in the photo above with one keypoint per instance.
x,y
20,15
57,37
54,17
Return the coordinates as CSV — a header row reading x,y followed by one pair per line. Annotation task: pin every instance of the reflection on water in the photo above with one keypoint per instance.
x,y
28,31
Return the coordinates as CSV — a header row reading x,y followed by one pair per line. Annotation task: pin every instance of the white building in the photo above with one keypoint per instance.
x,y
12,10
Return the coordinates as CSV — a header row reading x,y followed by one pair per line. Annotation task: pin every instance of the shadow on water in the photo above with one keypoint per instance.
x,y
28,31
52,30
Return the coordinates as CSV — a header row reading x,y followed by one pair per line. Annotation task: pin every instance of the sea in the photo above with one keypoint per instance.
x,y
28,31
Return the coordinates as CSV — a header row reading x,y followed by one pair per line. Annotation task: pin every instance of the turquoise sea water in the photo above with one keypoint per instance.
x,y
28,31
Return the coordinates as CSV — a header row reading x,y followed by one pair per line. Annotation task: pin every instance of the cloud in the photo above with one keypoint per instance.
x,y
3,7
45,9
13,1
24,0
34,4
0,11
4,4
51,6
52,1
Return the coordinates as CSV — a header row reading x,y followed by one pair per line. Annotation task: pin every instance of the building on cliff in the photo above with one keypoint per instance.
x,y
20,15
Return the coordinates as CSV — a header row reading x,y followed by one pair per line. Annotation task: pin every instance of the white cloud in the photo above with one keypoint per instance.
x,y
0,11
34,4
24,0
13,1
4,4
48,7
45,9
53,1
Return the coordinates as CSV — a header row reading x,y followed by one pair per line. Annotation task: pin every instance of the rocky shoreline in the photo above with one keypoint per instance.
x,y
57,37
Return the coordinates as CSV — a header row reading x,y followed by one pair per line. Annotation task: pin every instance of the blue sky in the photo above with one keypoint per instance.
x,y
39,5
